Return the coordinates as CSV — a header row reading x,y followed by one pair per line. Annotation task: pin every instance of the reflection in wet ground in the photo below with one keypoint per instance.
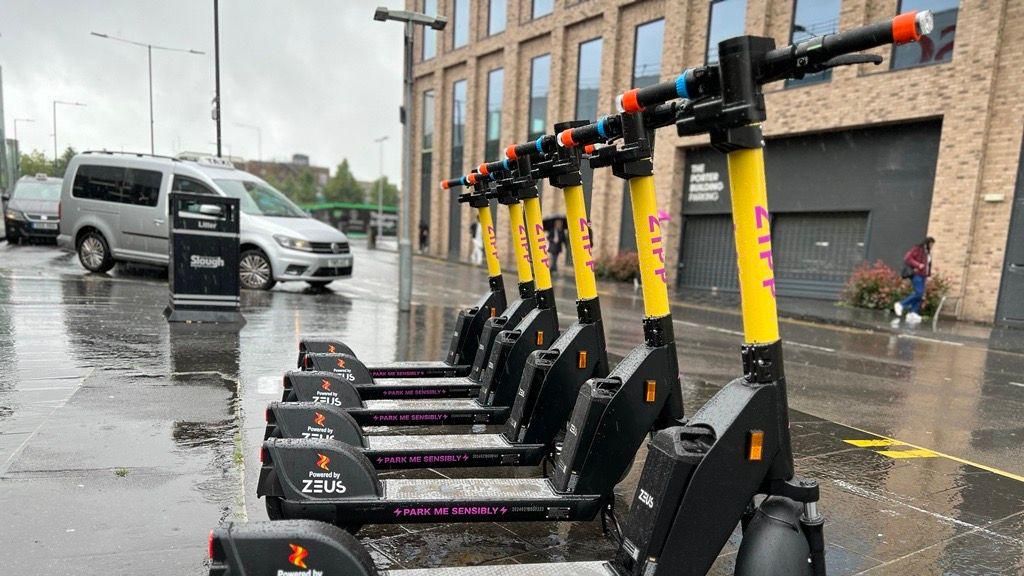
x,y
123,440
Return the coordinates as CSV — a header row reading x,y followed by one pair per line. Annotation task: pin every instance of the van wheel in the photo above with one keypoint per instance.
x,y
254,271
94,253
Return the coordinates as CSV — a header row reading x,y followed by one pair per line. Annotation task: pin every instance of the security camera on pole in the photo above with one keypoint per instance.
x,y
410,19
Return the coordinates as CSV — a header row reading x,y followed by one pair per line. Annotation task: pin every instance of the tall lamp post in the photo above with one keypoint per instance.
x,y
380,189
63,103
259,138
410,19
149,54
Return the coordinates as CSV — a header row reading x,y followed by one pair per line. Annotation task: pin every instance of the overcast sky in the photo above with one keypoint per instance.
x,y
319,77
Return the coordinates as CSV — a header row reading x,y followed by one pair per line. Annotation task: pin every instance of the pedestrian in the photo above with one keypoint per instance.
x,y
477,255
556,241
917,266
424,236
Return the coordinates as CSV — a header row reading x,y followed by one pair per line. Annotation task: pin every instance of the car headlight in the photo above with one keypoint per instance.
x,y
294,243
14,215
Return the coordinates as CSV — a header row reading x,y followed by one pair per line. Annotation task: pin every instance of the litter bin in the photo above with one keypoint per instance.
x,y
203,272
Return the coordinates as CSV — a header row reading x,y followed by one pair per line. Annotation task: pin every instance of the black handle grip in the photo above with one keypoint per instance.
x,y
453,183
540,147
794,59
494,168
606,128
693,83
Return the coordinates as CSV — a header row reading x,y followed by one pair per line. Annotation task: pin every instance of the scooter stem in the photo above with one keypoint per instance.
x,y
580,242
483,215
649,244
538,243
520,243
753,246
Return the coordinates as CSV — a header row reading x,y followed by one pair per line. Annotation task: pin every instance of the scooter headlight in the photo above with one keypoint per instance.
x,y
294,243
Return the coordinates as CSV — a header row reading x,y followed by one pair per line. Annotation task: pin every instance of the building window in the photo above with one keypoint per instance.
x,y
458,125
647,53
492,135
540,81
426,161
588,79
429,35
934,48
542,8
727,20
813,18
460,23
496,16
428,121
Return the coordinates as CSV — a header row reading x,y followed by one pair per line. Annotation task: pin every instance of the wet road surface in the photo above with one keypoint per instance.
x,y
123,441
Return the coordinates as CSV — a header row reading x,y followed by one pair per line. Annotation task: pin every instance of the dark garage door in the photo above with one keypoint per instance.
x,y
708,256
815,253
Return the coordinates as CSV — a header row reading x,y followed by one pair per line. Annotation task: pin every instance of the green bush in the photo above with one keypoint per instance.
x,y
624,266
877,286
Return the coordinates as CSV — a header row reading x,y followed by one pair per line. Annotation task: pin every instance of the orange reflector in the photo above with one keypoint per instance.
x,y
651,391
209,545
494,311
263,454
581,359
755,445
540,337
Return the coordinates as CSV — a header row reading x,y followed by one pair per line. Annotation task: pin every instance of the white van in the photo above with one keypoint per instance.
x,y
114,209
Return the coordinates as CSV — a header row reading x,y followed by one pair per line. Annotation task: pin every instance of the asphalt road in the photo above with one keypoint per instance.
x,y
123,441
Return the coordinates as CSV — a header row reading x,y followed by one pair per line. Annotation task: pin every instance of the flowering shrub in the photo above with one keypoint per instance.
x,y
624,266
878,286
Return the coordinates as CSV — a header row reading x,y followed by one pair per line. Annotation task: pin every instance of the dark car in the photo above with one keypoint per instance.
x,y
33,208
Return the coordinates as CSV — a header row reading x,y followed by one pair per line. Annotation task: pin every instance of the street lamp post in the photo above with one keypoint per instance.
x,y
410,19
149,54
380,189
216,72
259,138
65,103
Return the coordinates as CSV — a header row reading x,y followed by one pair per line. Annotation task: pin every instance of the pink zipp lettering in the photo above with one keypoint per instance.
x,y
761,219
542,243
587,246
654,227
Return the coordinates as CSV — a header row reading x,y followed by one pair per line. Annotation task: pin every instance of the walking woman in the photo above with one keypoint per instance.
x,y
917,265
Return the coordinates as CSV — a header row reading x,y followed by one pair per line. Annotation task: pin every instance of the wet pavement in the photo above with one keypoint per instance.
x,y
123,441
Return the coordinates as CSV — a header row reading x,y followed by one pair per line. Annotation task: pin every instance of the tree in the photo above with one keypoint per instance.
x,y
36,162
343,186
301,187
390,192
64,160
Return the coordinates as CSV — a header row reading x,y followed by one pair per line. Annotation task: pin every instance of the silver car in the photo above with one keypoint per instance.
x,y
114,208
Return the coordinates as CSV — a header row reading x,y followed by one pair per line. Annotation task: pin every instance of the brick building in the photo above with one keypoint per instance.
x,y
863,161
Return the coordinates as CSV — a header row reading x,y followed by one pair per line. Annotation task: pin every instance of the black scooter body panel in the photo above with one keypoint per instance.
x,y
304,386
462,345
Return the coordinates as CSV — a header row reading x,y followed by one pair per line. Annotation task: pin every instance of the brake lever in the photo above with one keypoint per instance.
x,y
851,59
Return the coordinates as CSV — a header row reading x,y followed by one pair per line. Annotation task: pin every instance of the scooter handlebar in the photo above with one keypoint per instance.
x,y
783,62
795,58
453,183
540,147
493,168
606,128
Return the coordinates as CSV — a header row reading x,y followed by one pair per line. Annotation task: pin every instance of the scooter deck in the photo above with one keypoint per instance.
x,y
421,369
453,500
330,388
593,568
439,412
449,451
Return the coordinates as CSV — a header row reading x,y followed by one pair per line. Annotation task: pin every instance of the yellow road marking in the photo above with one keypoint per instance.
x,y
995,471
876,443
916,453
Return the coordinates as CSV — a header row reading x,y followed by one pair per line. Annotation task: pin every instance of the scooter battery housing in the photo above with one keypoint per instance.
x,y
672,457
594,399
536,371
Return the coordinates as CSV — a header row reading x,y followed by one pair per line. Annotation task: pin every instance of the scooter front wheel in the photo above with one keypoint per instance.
x,y
773,543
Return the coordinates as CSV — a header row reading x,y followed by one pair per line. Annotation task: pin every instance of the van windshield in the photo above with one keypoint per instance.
x,y
31,190
260,199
